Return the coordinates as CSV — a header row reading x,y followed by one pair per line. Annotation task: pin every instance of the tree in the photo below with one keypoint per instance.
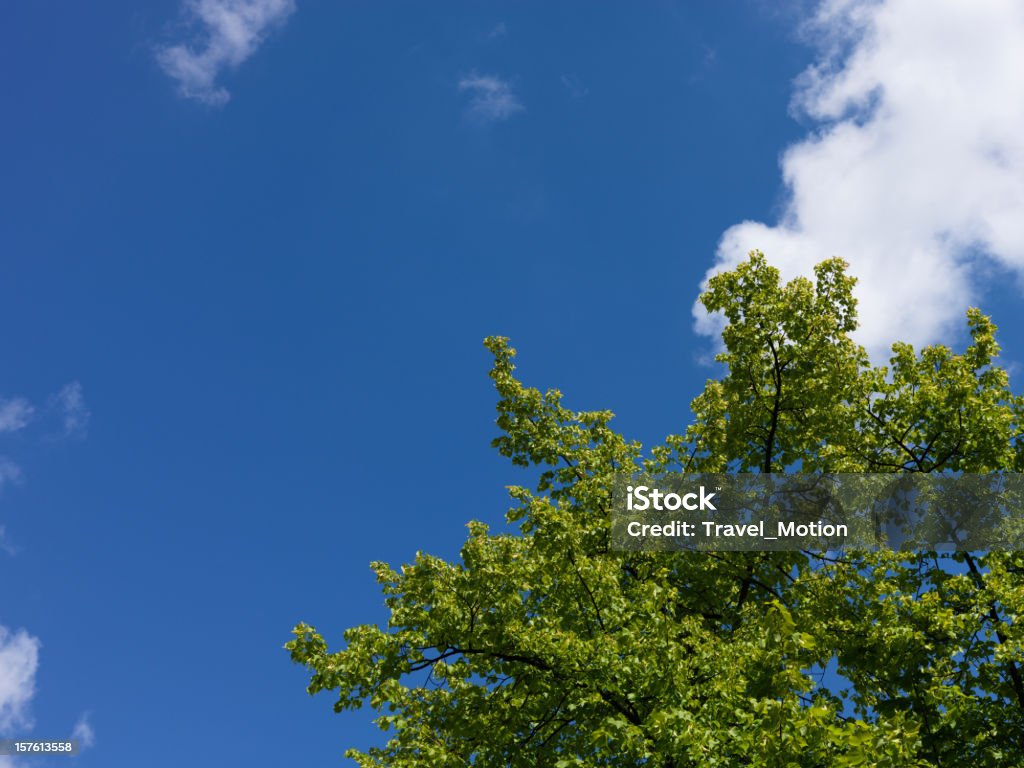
x,y
547,649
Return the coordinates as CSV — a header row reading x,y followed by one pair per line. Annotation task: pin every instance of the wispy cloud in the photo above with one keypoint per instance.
x,y
9,472
19,660
5,542
227,33
575,87
14,414
914,169
74,412
83,731
491,98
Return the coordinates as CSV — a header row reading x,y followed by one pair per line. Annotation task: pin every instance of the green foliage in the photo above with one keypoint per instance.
x,y
546,649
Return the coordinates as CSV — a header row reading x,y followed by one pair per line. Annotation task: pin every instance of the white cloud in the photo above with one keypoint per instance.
x,y
230,31
19,660
83,731
914,172
14,414
72,405
491,98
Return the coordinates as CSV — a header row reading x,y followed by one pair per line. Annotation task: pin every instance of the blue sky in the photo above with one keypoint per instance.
x,y
251,248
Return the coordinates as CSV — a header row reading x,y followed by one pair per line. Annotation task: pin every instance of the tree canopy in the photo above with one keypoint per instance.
x,y
545,648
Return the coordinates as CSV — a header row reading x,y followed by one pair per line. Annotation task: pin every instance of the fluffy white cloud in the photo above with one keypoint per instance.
x,y
230,31
491,98
14,414
19,660
914,172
